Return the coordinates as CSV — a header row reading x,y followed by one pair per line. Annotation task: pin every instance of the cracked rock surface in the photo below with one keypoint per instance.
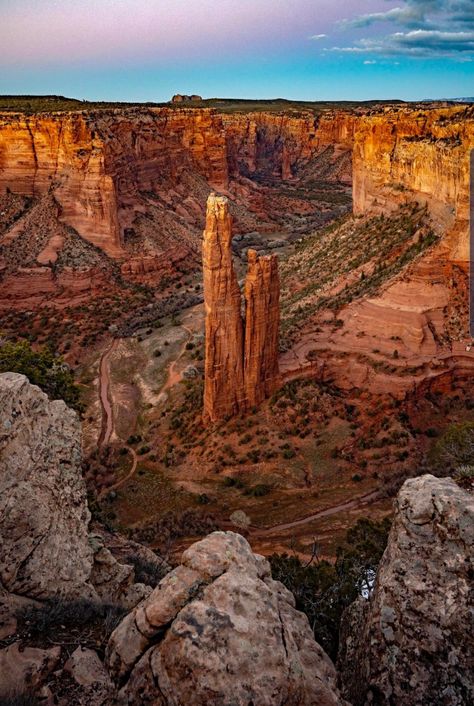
x,y
411,644
44,517
219,630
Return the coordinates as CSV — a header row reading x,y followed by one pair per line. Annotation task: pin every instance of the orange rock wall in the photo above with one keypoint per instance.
x,y
60,153
262,322
241,362
402,153
100,165
277,143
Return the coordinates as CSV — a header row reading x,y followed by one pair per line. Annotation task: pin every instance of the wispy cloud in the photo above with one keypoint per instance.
x,y
426,28
318,36
370,61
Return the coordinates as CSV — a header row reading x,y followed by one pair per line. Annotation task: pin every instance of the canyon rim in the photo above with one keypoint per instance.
x,y
236,358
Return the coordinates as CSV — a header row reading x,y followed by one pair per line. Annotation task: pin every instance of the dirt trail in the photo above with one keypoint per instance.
x,y
173,375
129,475
107,425
348,505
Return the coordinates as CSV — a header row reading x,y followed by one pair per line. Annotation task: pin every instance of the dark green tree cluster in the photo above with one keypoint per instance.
x,y
323,590
42,368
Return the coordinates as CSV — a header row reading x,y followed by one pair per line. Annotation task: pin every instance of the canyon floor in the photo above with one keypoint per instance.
x,y
321,453
376,357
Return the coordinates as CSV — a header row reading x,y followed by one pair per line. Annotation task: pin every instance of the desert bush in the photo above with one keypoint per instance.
x,y
190,523
147,572
259,490
323,590
454,448
61,620
42,368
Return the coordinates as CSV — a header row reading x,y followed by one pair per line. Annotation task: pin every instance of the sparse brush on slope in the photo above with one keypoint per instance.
x,y
42,368
378,248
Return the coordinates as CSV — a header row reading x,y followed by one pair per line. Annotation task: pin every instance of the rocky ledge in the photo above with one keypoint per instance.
x,y
411,644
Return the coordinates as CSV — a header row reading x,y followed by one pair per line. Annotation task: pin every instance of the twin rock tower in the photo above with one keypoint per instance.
x,y
241,367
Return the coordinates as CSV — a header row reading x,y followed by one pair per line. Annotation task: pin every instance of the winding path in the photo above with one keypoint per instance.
x,y
348,505
173,376
107,425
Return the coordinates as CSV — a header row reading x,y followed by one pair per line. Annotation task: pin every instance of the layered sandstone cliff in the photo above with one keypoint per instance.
x,y
223,376
262,320
63,155
403,154
241,367
104,168
280,144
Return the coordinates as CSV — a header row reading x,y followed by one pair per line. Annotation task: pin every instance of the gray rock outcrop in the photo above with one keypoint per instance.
x,y
44,545
412,643
219,630
46,548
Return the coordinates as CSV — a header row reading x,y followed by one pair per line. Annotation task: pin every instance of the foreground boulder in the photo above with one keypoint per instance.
x,y
44,546
219,630
412,644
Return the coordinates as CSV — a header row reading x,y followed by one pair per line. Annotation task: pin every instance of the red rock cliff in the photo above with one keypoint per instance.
x,y
241,366
276,143
107,168
223,377
60,153
404,153
262,320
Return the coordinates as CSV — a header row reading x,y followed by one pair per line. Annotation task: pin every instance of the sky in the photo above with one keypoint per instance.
x,y
147,50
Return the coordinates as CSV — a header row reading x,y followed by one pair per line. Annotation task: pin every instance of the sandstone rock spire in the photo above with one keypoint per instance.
x,y
223,378
262,320
241,367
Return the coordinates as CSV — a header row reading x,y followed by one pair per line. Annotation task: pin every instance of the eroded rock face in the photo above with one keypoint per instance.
x,y
262,322
223,377
241,367
402,153
44,546
219,630
411,644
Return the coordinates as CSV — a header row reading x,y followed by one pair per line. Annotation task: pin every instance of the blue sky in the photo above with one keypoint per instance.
x,y
300,49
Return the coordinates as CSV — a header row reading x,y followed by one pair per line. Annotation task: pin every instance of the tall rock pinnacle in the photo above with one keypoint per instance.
x,y
241,366
223,377
262,320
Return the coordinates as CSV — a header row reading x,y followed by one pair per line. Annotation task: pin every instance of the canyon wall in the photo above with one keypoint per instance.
x,y
62,154
404,153
279,143
241,362
103,167
133,182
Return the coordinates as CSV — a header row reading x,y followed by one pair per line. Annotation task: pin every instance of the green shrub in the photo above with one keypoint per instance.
x,y
323,590
42,368
455,447
259,490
